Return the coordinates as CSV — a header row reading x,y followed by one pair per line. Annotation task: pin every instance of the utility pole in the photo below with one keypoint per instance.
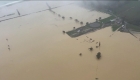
x,y
48,6
18,12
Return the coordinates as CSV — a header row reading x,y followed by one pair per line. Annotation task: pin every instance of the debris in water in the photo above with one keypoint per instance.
x,y
70,17
8,46
86,36
91,49
6,39
93,40
98,55
90,38
96,42
96,78
99,44
77,39
73,27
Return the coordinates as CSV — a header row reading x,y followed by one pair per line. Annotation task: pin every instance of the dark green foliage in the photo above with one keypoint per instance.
x,y
81,22
106,20
91,49
98,55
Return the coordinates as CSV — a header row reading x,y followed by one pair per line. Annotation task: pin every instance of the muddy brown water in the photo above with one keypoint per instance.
x,y
40,51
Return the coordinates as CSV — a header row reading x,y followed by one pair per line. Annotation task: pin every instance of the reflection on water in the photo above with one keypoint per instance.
x,y
40,51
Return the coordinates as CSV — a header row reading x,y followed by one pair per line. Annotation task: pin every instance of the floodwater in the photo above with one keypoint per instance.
x,y
40,51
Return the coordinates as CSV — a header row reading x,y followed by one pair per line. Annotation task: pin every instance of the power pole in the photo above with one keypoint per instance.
x,y
48,6
18,12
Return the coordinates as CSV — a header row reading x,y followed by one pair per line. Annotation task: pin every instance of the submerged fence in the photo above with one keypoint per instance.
x,y
22,9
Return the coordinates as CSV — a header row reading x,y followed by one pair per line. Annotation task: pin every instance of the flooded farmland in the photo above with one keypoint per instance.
x,y
33,47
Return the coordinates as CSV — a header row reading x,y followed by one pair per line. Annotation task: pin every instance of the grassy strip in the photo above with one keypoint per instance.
x,y
133,27
74,33
115,27
106,20
83,30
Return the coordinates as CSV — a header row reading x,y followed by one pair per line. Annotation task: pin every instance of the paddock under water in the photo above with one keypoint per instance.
x,y
39,50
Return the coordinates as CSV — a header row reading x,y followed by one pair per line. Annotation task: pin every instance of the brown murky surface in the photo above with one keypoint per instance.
x,y
40,51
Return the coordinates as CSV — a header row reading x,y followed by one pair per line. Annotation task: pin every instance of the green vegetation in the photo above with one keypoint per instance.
x,y
127,10
115,27
133,27
106,20
130,12
79,31
100,24
84,29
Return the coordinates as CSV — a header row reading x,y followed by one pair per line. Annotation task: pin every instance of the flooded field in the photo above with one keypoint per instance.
x,y
34,47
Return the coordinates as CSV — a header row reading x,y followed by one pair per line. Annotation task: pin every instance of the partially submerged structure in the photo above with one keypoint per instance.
x,y
91,49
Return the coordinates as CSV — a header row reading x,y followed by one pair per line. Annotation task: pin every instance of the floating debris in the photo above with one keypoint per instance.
x,y
8,46
96,78
91,49
90,38
70,17
76,39
98,55
96,42
97,46
93,40
6,39
73,27
87,36
80,54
